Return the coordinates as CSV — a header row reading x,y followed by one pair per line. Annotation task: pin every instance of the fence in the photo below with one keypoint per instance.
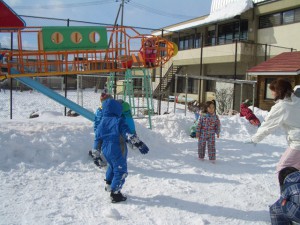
x,y
224,100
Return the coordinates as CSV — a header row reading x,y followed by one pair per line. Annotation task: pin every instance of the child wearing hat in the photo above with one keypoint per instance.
x,y
111,132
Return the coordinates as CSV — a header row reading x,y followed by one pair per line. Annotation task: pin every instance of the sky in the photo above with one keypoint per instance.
x,y
138,13
47,177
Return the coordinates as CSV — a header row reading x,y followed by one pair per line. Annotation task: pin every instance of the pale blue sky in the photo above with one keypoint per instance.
x,y
141,13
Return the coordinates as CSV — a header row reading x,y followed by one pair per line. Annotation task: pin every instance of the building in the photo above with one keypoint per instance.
x,y
236,36
286,65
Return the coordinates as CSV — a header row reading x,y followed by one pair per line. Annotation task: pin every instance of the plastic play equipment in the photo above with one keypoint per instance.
x,y
79,50
84,50
54,96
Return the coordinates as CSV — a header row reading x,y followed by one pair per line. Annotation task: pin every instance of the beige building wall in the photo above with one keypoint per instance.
x,y
285,36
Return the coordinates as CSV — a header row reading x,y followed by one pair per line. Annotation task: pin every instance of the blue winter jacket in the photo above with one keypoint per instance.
x,y
98,117
111,127
97,120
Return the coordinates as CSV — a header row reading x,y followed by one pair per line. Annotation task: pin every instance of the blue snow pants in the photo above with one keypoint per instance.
x,y
117,163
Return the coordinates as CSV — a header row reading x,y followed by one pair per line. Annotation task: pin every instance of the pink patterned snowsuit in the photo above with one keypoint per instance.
x,y
208,126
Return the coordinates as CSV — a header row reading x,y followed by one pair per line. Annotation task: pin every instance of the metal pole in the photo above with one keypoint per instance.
x,y
121,35
235,73
160,82
241,94
65,77
77,88
186,91
175,93
235,59
201,64
11,80
266,54
253,96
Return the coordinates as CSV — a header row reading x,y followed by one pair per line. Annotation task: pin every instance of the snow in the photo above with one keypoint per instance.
x,y
218,13
47,177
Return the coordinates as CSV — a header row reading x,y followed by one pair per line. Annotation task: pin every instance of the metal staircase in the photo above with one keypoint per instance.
x,y
167,80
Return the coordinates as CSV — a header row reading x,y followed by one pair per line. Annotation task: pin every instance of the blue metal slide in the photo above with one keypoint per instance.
x,y
54,96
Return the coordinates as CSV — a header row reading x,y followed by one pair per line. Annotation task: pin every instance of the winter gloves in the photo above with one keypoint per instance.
x,y
249,141
135,141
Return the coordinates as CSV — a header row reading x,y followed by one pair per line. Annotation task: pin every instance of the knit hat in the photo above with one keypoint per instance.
x,y
248,102
105,95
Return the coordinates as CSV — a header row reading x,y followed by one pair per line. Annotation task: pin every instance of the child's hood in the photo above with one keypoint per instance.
x,y
292,178
111,107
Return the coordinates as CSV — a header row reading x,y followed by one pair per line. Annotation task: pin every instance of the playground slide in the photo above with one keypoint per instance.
x,y
54,96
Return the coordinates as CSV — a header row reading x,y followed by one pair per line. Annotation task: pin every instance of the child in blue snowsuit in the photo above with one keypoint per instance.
x,y
287,208
96,152
112,131
208,127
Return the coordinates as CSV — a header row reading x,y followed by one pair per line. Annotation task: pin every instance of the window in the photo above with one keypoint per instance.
x,y
297,15
268,94
288,17
198,41
211,37
181,44
181,84
186,42
162,45
297,90
210,85
233,31
270,20
276,19
192,86
244,30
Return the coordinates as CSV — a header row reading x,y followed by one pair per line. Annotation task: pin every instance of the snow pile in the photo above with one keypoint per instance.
x,y
47,177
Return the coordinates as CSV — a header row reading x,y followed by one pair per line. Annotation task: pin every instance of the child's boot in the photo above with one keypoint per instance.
x,y
117,197
107,186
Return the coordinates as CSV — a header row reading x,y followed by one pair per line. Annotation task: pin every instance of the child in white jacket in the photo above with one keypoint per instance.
x,y
285,114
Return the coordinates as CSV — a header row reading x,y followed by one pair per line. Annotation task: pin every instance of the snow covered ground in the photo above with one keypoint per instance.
x,y
47,177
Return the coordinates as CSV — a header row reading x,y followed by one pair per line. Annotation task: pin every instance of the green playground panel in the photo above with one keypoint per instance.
x,y
68,44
